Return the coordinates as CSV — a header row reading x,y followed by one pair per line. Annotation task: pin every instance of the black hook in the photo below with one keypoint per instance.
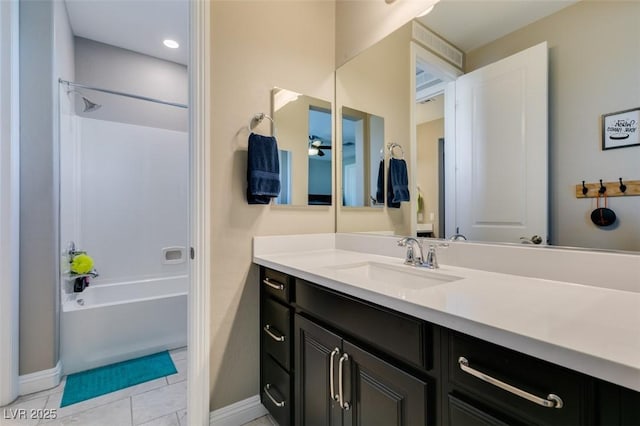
x,y
603,188
584,189
623,187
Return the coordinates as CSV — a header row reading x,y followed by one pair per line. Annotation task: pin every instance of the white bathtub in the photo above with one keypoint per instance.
x,y
114,322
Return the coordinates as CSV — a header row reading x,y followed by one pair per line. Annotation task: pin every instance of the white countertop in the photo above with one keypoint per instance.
x,y
588,329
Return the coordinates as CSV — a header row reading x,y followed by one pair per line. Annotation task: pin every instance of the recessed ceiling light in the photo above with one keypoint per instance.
x,y
172,44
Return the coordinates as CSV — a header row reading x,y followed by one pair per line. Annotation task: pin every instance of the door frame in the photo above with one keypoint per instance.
x,y
199,327
449,73
198,392
9,199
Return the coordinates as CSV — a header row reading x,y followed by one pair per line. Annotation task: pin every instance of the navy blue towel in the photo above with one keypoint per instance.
x,y
263,169
380,184
398,183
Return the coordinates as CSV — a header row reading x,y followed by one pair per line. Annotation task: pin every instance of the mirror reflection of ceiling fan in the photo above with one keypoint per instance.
x,y
316,146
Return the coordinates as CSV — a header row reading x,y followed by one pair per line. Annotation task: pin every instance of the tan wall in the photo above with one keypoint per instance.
x,y
256,46
376,82
427,174
594,69
360,24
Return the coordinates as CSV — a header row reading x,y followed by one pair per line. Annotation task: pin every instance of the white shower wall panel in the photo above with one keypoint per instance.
x,y
133,198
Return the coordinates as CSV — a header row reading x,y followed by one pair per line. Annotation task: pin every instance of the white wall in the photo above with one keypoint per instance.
x,y
594,69
109,67
132,198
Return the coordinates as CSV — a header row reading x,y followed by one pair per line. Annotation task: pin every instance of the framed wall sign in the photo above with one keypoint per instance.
x,y
620,129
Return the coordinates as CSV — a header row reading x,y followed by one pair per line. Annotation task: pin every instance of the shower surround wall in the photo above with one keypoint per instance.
x,y
124,201
124,198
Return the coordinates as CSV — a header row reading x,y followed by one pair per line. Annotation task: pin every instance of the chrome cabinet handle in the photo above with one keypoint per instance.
x,y
267,328
552,401
332,390
275,285
266,389
344,405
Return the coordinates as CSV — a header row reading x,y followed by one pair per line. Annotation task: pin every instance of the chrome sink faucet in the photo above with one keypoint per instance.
x,y
412,259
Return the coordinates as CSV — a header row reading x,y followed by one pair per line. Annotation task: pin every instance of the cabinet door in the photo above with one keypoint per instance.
x,y
314,349
381,394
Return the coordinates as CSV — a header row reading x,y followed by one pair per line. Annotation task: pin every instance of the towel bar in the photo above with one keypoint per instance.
x,y
258,118
391,147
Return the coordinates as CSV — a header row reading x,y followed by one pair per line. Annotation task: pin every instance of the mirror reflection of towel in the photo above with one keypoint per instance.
x,y
380,184
263,169
398,183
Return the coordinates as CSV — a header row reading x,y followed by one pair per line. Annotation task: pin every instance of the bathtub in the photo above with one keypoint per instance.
x,y
114,322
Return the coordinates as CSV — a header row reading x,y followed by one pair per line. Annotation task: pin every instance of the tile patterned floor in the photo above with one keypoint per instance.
x,y
262,421
160,402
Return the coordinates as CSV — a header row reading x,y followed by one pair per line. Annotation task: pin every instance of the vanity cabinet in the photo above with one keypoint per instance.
x,y
331,359
339,383
276,347
490,384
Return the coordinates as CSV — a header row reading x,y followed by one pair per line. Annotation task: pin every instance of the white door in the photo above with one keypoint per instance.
x,y
501,149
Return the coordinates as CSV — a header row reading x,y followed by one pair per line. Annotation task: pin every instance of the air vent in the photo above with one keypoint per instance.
x,y
437,45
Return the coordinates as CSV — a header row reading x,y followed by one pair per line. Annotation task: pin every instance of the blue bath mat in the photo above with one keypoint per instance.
x,y
110,378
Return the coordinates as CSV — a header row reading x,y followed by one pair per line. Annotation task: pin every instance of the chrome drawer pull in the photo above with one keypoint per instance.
x,y
266,391
267,328
552,401
344,405
332,387
274,285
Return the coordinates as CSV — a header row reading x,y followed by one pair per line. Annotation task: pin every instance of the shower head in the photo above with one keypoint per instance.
x,y
88,105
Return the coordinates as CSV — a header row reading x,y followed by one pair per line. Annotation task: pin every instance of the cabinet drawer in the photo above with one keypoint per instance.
x,y
398,335
462,413
276,391
528,377
276,284
276,331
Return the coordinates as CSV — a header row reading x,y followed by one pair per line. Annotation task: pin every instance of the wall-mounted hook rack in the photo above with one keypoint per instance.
x,y
612,189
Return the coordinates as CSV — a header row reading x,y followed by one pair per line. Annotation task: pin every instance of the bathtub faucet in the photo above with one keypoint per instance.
x,y
82,282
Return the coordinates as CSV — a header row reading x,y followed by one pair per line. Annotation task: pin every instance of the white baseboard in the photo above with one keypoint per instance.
x,y
238,413
40,380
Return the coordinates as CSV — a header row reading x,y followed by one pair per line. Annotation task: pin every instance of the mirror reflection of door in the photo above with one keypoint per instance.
x,y
362,153
430,170
303,128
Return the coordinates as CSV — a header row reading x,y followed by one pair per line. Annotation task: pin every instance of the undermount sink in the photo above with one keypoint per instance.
x,y
404,276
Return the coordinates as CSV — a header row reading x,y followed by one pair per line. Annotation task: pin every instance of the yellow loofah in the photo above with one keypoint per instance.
x,y
81,264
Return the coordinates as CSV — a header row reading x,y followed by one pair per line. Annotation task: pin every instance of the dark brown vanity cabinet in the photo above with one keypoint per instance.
x,y
276,347
338,383
490,384
331,359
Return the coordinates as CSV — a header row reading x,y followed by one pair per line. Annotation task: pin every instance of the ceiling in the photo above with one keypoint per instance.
x,y
142,25
138,25
469,24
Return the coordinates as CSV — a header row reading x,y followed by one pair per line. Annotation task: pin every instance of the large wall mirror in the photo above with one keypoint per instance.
x,y
593,69
303,126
